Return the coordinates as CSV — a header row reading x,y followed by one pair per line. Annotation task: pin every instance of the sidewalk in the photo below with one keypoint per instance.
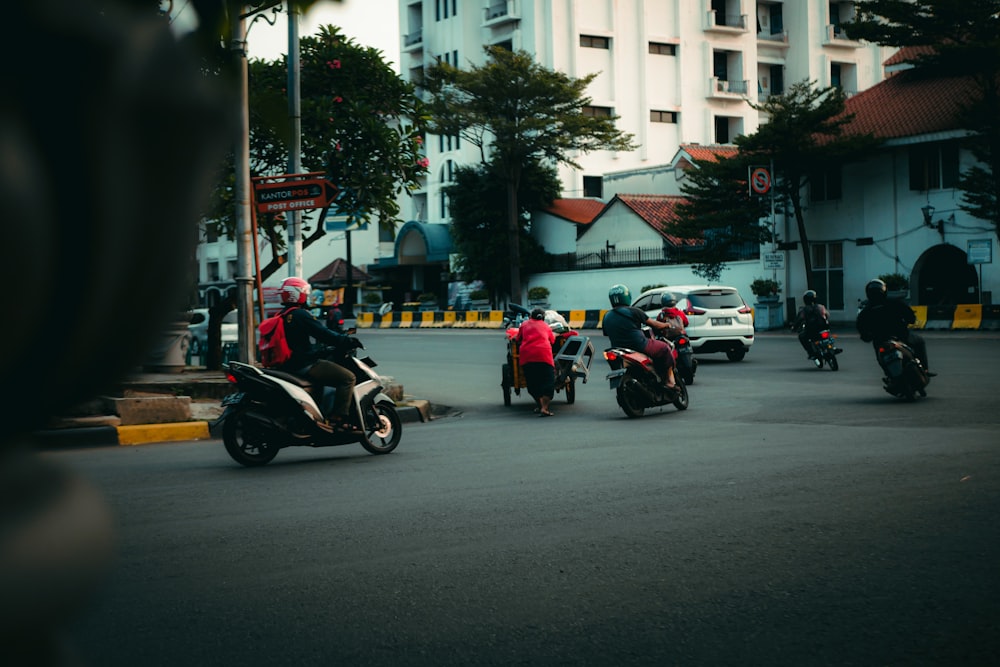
x,y
154,408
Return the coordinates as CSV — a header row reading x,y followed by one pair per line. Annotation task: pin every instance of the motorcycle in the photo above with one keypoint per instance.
x,y
272,409
905,377
824,349
637,385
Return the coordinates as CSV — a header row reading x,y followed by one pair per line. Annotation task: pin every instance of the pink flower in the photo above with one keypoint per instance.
x,y
338,99
333,64
419,140
424,162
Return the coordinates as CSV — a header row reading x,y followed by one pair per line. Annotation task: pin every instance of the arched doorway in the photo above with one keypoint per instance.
x,y
943,276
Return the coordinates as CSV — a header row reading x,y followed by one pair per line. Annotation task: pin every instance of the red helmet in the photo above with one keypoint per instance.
x,y
294,290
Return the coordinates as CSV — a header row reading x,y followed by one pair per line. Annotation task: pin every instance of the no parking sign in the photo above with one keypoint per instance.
x,y
760,180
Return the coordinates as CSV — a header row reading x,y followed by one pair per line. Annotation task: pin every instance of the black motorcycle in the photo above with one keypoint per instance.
x,y
905,377
825,350
638,386
271,410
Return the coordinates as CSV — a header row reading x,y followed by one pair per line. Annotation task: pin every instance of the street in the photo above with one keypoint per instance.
x,y
791,516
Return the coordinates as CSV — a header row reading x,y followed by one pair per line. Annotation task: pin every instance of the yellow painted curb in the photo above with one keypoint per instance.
x,y
142,434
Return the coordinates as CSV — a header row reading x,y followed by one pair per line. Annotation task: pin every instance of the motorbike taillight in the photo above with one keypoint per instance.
x,y
230,377
824,335
682,341
610,356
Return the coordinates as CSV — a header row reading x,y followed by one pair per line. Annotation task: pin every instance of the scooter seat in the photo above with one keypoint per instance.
x,y
305,383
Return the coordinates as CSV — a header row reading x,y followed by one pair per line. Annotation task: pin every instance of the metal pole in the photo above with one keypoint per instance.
x,y
244,233
295,148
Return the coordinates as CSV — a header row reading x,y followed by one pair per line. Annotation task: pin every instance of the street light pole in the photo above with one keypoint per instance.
x,y
244,234
295,146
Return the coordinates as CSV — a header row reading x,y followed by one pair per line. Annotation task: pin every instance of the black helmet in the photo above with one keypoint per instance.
x,y
875,291
538,314
620,296
668,300
809,298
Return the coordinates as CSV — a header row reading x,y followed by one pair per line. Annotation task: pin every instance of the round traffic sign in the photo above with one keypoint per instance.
x,y
760,180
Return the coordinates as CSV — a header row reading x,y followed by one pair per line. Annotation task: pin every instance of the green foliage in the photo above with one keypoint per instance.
x,y
765,286
538,293
361,125
518,113
479,295
373,298
477,205
720,211
964,40
895,281
646,288
427,297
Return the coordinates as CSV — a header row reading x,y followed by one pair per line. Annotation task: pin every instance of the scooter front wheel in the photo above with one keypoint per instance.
x,y
681,402
246,444
384,429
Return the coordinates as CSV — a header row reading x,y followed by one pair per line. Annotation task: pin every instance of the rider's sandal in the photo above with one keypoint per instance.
x,y
345,427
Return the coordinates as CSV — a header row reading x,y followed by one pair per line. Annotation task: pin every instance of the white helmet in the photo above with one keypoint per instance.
x,y
294,290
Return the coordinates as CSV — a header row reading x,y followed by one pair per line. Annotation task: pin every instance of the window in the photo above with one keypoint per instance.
x,y
593,186
211,233
828,274
662,49
445,8
231,268
595,42
825,185
596,112
212,269
934,166
663,116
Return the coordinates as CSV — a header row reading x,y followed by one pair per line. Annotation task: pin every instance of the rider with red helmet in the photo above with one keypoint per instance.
x,y
301,326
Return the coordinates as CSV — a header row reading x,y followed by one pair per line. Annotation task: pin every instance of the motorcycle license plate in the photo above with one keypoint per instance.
x,y
615,378
721,321
232,399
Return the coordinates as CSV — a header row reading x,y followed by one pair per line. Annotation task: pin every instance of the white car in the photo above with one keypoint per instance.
x,y
719,320
198,327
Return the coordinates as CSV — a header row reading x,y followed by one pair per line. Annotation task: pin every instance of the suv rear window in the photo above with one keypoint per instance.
x,y
716,299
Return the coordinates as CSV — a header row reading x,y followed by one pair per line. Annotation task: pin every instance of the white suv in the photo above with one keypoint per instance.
x,y
719,320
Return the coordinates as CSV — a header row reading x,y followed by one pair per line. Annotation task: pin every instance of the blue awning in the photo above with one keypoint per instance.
x,y
419,243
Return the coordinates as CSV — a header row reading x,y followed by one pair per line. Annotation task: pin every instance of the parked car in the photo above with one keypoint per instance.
x,y
198,327
719,319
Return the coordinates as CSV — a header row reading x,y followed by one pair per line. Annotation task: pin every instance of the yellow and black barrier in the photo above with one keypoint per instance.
x,y
467,319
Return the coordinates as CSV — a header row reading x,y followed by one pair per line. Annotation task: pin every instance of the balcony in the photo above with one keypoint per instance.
x,y
413,41
777,40
499,13
835,36
727,89
726,23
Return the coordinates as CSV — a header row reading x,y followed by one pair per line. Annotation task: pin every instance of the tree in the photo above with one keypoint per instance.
x,y
516,112
804,129
477,205
720,210
361,124
953,39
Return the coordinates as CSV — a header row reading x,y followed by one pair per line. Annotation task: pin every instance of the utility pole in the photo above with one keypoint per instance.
x,y
244,233
295,148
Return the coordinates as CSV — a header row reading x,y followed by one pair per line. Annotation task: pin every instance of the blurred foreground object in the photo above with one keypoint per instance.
x,y
109,135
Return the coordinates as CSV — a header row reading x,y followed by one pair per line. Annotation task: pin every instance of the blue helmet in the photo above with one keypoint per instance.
x,y
620,296
668,300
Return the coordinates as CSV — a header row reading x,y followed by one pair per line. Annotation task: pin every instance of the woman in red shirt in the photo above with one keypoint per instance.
x,y
534,344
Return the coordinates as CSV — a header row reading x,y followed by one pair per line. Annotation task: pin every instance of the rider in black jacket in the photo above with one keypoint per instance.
x,y
884,318
301,327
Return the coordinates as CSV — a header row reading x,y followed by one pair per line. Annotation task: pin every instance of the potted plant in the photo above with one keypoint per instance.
x,y
896,284
538,296
765,289
372,301
479,300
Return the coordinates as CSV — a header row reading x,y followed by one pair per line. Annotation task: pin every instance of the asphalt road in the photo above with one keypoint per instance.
x,y
789,517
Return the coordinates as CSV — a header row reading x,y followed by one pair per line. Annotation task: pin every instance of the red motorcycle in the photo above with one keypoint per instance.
x,y
637,385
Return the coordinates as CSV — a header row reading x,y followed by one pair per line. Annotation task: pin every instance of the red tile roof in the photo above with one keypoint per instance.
x,y
580,211
908,54
711,153
908,105
659,212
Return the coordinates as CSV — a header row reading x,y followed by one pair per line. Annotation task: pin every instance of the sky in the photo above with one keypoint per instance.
x,y
372,23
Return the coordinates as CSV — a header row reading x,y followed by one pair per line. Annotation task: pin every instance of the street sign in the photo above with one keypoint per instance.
x,y
774,260
760,180
294,195
980,251
335,221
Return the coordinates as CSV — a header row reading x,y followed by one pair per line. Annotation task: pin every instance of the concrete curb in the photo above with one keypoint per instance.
x,y
107,435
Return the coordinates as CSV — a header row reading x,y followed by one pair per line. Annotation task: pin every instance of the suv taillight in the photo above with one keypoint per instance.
x,y
691,310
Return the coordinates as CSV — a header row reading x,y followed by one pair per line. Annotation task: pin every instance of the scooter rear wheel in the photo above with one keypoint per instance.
x,y
385,429
628,402
247,445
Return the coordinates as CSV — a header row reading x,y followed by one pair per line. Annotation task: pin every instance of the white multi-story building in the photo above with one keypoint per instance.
x,y
673,71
